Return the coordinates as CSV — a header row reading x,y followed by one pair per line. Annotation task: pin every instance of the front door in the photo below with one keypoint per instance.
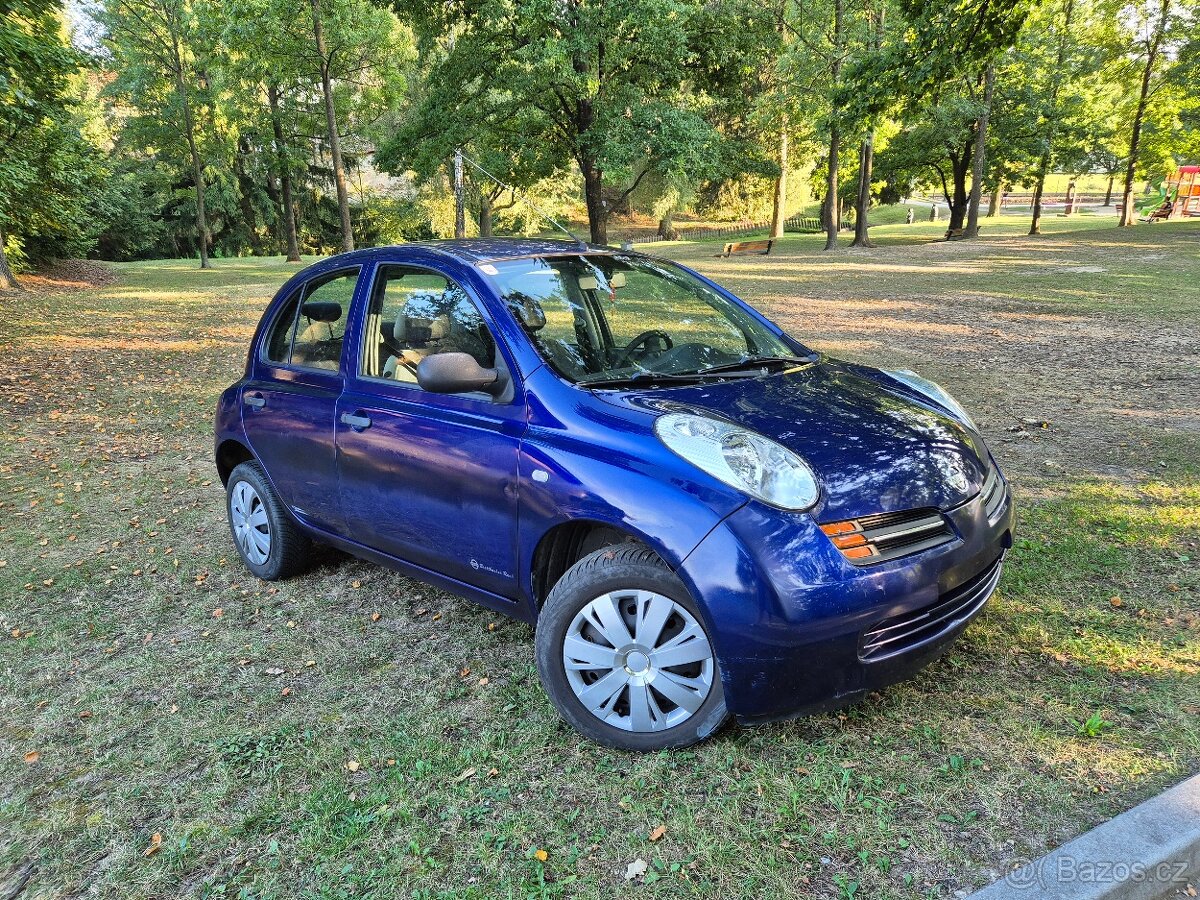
x,y
429,478
289,406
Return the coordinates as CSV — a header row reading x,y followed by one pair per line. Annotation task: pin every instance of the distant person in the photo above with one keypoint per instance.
x,y
933,213
908,220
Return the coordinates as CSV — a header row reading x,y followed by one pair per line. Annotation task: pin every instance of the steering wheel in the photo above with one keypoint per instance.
x,y
641,340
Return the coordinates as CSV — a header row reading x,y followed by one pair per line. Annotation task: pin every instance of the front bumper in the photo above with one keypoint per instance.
x,y
797,628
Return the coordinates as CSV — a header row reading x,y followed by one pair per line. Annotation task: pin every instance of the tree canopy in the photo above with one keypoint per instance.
x,y
208,129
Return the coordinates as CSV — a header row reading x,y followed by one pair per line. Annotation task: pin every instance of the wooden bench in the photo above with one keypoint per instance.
x,y
733,248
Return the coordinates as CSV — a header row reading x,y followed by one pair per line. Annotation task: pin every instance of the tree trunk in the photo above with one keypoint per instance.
x,y
335,142
866,156
8,281
1108,194
1048,152
485,215
994,200
958,204
593,195
1039,187
833,220
666,226
979,163
1128,213
866,160
189,128
285,178
778,209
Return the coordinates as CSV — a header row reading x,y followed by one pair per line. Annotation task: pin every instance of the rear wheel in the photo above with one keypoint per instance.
x,y
624,655
268,541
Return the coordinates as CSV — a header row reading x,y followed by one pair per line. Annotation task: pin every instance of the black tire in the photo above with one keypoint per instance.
x,y
290,548
616,568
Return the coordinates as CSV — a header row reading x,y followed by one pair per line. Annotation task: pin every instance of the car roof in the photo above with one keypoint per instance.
x,y
477,250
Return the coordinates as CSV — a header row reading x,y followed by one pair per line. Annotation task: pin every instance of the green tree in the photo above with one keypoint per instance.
x,y
159,57
45,162
625,88
1155,28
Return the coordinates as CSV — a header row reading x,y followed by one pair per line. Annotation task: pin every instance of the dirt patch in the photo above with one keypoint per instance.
x,y
68,275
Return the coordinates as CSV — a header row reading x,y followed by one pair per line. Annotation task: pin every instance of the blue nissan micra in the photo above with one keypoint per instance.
x,y
702,516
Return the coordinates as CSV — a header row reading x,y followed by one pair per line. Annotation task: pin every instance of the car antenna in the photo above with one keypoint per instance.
x,y
521,195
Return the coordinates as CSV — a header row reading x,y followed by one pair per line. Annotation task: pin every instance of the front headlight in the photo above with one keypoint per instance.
x,y
742,459
934,392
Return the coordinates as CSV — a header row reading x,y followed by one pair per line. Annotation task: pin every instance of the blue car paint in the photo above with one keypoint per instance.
x,y
460,491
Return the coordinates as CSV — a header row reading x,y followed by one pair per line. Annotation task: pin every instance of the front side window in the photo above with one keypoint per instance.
x,y
415,313
599,318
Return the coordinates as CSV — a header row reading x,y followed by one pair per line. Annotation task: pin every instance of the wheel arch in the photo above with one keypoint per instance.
x,y
230,454
564,544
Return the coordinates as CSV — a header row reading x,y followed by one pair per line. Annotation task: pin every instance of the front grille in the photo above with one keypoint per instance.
x,y
874,539
900,633
992,493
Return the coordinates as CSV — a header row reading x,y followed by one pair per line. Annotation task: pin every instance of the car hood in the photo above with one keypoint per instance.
x,y
875,445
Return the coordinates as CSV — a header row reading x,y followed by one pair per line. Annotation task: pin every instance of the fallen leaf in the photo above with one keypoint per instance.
x,y
541,855
375,617
274,670
636,869
356,584
483,682
492,773
155,844
657,833
391,762
285,692
218,612
1116,601
86,714
467,773
32,756
354,765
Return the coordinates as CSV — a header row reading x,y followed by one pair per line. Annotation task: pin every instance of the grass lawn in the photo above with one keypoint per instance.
x,y
169,726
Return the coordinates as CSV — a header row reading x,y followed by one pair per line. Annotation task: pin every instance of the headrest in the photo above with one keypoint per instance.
x,y
528,311
322,310
416,328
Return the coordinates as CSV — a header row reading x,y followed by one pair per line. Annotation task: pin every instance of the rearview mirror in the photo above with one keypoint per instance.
x,y
457,373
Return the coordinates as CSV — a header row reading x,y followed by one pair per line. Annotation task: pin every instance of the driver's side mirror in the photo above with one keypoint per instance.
x,y
458,373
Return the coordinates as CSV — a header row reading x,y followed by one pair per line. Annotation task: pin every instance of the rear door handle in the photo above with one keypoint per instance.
x,y
358,423
258,401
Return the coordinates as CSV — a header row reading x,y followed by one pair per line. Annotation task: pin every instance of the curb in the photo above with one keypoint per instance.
x,y
1148,853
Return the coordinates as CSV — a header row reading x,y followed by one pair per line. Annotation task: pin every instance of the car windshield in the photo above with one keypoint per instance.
x,y
601,319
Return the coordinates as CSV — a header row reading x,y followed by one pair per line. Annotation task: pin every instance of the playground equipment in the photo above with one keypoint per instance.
x,y
1183,188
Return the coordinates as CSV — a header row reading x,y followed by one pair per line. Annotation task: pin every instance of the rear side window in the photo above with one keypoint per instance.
x,y
311,326
279,344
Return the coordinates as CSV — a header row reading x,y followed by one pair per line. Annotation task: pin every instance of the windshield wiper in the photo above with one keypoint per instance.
x,y
758,363
650,379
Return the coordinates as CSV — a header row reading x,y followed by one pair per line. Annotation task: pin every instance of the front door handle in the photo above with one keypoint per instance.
x,y
258,401
358,423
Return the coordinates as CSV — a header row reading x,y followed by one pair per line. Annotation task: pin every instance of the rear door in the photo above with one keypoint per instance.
x,y
289,406
429,478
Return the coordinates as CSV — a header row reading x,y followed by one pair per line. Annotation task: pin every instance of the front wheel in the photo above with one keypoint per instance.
x,y
624,656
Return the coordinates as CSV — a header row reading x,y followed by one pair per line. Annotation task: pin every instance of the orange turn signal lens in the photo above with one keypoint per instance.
x,y
858,552
849,540
839,528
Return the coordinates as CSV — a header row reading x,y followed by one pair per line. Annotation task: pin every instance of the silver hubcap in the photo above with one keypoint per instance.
x,y
251,528
638,660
